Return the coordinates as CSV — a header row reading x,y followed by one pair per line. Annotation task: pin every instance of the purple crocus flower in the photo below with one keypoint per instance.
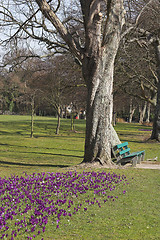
x,y
31,200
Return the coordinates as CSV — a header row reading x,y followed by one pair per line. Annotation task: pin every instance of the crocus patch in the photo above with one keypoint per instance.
x,y
29,201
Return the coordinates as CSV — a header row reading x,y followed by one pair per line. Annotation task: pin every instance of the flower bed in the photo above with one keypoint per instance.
x,y
28,202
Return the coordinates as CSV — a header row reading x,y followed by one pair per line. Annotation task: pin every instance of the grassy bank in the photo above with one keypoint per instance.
x,y
134,215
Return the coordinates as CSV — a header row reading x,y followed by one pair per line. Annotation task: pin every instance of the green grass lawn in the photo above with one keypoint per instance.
x,y
133,216
45,150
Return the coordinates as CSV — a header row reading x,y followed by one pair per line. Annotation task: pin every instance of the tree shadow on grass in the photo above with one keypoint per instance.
x,y
131,138
51,154
47,148
65,137
26,134
134,141
54,154
33,165
17,133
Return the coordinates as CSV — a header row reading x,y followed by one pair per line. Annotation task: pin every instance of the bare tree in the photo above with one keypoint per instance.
x,y
94,46
140,59
148,33
61,83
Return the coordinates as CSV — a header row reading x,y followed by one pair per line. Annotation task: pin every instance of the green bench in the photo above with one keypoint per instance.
x,y
122,154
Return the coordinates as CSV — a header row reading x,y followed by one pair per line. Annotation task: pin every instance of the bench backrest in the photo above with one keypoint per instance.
x,y
121,150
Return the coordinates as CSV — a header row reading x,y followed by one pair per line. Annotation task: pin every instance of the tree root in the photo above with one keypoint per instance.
x,y
95,164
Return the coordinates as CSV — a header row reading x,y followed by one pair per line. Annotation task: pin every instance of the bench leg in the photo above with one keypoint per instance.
x,y
139,159
134,161
143,154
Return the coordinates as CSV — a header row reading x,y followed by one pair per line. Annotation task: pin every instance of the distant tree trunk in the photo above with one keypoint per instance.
x,y
142,111
11,105
156,123
148,113
72,121
32,116
58,120
65,112
131,111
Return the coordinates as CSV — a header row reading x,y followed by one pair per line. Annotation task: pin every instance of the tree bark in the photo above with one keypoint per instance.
x,y
98,119
97,68
114,118
156,123
114,137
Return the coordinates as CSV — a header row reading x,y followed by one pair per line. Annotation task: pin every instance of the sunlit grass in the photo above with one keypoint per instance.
x,y
46,148
133,216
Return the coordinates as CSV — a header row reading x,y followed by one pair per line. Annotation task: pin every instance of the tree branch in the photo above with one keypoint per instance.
x,y
66,36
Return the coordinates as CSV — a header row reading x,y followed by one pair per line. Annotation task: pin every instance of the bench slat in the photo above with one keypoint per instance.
x,y
121,145
139,152
124,151
133,154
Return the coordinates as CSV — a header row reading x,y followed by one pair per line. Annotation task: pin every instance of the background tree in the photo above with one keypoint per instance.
x,y
135,77
147,36
55,81
11,91
61,84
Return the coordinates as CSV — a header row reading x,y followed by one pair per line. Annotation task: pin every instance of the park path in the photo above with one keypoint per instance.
x,y
148,165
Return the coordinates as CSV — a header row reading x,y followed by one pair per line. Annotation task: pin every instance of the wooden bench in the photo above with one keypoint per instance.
x,y
122,154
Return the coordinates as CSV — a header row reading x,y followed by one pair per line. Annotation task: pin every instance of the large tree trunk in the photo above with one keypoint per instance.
x,y
114,118
98,67
114,137
156,124
99,116
98,139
